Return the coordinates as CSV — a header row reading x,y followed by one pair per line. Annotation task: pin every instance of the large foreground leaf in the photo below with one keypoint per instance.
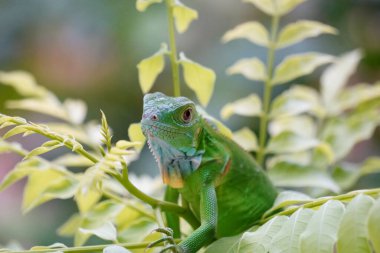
x,y
321,233
352,233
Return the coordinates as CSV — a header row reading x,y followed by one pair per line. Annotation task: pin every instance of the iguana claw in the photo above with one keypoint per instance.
x,y
168,238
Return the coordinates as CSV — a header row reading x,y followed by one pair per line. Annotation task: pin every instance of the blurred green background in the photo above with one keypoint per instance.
x,y
89,49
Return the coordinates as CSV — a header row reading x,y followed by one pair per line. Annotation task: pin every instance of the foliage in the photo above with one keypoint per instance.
x,y
310,134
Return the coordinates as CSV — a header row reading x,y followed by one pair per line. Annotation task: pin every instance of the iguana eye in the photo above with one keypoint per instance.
x,y
187,115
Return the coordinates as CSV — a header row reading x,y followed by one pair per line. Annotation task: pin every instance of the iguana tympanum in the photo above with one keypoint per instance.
x,y
223,185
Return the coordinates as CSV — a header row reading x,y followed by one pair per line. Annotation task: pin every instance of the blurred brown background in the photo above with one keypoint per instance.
x,y
89,49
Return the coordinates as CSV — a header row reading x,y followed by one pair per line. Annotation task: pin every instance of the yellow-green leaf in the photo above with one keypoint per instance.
x,y
150,68
49,106
295,66
246,139
46,147
44,185
142,5
297,100
289,142
335,77
374,225
219,126
250,68
321,232
21,170
253,31
70,226
14,131
106,231
24,83
115,249
352,232
183,16
199,78
300,30
135,134
275,7
302,125
248,106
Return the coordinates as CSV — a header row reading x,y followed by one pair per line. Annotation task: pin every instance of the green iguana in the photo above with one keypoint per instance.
x,y
223,185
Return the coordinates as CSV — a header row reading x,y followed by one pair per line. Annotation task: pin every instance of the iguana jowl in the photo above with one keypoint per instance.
x,y
226,189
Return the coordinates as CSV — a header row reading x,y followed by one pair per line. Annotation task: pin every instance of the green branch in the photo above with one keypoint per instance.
x,y
173,49
267,91
87,249
323,200
156,203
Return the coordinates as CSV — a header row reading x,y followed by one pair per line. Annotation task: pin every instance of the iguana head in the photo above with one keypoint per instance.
x,y
173,120
171,125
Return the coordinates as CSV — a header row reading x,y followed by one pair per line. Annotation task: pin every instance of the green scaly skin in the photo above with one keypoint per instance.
x,y
224,186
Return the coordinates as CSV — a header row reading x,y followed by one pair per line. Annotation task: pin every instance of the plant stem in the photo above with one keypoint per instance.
x,y
323,200
267,91
163,205
173,49
89,249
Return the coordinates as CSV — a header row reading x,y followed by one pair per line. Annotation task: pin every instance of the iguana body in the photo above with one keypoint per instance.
x,y
225,187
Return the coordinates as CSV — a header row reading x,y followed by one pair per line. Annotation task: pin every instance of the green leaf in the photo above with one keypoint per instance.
x,y
298,65
248,106
286,174
250,68
300,30
335,77
183,16
297,100
260,240
115,249
142,5
288,238
352,233
24,83
374,225
199,78
275,7
246,139
302,125
289,142
151,67
321,232
253,31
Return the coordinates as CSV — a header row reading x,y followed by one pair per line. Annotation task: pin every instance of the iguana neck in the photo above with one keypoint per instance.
x,y
176,163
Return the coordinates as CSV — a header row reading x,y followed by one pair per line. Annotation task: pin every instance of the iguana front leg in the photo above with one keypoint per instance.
x,y
204,234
